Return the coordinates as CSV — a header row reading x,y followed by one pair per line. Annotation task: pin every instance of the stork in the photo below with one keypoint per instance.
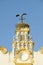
x,y
21,16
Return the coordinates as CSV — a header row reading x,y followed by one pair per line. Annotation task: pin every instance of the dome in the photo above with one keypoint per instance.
x,y
41,50
3,50
22,25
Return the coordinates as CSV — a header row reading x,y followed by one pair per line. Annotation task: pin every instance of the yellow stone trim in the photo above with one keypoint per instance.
x,y
23,30
31,60
13,43
23,64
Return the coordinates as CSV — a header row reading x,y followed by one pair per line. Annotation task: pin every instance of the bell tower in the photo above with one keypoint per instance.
x,y
22,45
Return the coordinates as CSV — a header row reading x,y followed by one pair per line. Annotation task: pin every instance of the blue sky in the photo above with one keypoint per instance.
x,y
8,20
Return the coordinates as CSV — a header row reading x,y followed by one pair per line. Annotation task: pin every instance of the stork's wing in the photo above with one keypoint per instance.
x,y
17,15
24,14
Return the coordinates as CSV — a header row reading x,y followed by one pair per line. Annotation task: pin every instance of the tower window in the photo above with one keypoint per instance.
x,y
22,37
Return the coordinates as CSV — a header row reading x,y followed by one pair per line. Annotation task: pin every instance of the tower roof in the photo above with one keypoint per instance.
x,y
22,25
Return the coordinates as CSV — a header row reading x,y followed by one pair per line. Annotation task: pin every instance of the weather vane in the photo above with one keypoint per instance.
x,y
21,16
